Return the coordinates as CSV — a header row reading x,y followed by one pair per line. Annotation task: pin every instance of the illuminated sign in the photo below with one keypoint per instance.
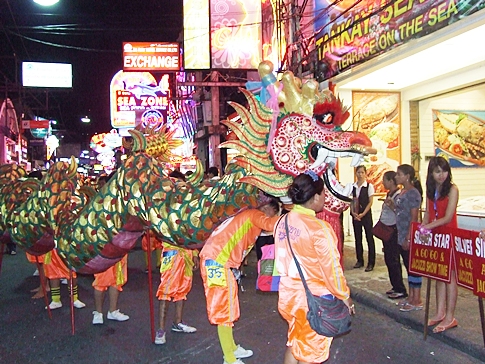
x,y
196,34
232,32
37,74
350,33
137,97
143,56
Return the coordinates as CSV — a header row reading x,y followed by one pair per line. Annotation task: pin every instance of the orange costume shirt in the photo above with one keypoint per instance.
x,y
176,273
226,248
316,247
115,276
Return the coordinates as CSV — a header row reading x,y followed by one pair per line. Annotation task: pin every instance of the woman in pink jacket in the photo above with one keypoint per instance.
x,y
315,246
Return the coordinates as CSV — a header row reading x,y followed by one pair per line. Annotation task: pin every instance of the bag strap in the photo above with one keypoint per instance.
x,y
294,257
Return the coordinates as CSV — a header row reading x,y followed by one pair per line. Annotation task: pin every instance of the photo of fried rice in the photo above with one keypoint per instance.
x,y
387,132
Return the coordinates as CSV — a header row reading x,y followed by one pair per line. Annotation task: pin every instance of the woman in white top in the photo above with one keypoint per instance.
x,y
363,195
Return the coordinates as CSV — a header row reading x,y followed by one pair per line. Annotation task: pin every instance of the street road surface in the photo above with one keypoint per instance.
x,y
27,335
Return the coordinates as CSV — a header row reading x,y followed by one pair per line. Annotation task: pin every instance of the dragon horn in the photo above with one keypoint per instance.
x,y
72,171
139,140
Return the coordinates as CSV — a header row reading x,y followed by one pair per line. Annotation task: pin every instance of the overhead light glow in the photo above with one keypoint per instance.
x,y
86,119
46,2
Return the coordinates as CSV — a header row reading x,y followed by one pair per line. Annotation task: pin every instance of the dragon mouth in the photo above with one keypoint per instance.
x,y
327,159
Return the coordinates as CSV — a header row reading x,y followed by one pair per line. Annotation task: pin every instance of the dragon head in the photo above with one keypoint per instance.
x,y
302,131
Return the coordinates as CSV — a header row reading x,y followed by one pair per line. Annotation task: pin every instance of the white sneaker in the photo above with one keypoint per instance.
x,y
117,316
181,327
79,304
160,338
236,362
54,305
97,318
241,353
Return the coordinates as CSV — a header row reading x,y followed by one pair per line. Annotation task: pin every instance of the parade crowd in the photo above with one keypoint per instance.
x,y
300,236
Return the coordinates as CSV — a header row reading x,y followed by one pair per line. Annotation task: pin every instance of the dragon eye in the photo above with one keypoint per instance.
x,y
325,119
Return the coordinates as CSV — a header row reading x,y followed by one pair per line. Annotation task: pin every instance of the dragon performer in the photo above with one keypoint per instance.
x,y
300,131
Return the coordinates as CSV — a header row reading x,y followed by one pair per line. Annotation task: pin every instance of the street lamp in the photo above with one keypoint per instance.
x,y
46,2
86,120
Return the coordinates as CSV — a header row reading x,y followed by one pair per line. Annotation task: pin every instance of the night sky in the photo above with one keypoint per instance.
x,y
89,35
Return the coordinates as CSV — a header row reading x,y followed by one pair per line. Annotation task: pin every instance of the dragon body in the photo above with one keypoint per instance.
x,y
276,143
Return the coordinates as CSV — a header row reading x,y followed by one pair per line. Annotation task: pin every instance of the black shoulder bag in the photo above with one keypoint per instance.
x,y
327,317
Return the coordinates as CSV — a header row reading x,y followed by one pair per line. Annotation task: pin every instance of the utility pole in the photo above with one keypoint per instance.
x,y
215,84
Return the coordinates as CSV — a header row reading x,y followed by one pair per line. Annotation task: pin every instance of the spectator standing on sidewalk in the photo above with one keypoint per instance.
x,y
392,255
441,201
363,195
315,245
223,251
407,207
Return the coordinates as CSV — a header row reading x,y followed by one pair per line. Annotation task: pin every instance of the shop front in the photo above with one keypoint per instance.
x,y
422,97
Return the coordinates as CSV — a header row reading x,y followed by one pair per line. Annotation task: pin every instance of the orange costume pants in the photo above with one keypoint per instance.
x,y
54,267
221,293
306,345
115,276
32,258
175,274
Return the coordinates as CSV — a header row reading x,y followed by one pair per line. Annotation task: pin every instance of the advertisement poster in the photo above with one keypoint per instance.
x,y
139,97
459,136
430,254
378,115
352,32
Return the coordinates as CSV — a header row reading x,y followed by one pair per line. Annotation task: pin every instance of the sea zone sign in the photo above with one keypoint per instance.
x,y
144,56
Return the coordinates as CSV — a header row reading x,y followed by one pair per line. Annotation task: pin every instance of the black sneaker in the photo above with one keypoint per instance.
x,y
358,265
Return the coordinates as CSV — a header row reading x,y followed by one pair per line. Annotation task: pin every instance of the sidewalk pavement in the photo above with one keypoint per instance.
x,y
369,288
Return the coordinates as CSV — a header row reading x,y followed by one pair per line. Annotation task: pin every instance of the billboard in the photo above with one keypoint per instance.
x,y
38,74
229,36
146,56
139,97
349,33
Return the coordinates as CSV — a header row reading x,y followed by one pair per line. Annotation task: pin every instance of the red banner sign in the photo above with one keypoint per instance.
x,y
464,256
479,266
445,251
430,254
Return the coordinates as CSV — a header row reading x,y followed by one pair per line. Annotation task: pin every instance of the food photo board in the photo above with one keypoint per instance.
x,y
378,115
459,136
